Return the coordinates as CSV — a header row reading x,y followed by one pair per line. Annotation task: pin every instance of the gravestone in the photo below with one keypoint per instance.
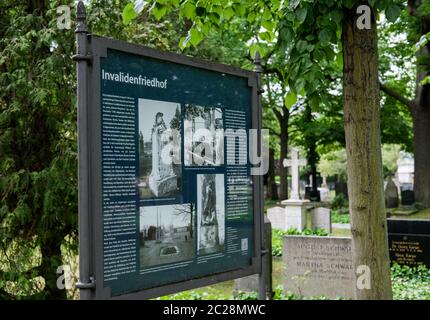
x,y
391,194
405,168
409,242
318,266
324,194
246,284
277,216
295,208
314,195
321,219
287,217
341,188
407,194
308,192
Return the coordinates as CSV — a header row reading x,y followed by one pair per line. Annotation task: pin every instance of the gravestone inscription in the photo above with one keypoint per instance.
x,y
318,266
409,242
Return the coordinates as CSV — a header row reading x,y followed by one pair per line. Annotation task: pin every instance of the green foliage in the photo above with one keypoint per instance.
x,y
339,202
390,155
278,236
340,216
333,163
410,283
37,148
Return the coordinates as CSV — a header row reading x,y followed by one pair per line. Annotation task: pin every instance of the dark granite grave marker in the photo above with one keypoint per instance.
x,y
341,188
408,197
409,242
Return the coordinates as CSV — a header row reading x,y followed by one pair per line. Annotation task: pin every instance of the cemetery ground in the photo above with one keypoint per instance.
x,y
407,283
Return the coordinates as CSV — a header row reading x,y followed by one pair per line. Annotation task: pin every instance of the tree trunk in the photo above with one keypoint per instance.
x,y
421,123
364,160
283,171
51,260
272,188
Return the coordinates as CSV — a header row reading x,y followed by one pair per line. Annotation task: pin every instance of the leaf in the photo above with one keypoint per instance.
x,y
128,14
324,37
392,12
189,10
159,11
290,99
301,46
228,13
256,47
196,37
240,10
301,14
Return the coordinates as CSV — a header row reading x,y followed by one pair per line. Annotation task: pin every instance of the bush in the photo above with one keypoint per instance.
x,y
337,216
410,283
339,202
278,236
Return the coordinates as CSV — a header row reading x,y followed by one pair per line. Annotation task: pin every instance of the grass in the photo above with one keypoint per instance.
x,y
423,214
341,233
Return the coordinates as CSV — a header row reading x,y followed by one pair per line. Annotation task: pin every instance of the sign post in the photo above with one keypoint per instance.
x,y
167,201
86,281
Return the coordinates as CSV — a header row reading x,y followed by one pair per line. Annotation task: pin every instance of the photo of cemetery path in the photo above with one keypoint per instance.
x,y
166,234
167,251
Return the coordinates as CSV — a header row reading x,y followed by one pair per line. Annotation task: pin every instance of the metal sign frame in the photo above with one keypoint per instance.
x,y
90,50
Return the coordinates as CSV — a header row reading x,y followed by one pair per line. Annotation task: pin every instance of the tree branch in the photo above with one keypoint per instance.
x,y
278,114
412,8
397,96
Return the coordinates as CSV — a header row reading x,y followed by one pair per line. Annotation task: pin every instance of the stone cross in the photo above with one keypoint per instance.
x,y
295,163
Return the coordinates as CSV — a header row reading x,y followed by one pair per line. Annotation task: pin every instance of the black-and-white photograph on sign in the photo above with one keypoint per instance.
x,y
166,234
210,213
204,136
159,149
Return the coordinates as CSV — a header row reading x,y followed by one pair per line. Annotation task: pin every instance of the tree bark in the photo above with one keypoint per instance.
x,y
419,109
283,171
364,160
51,260
421,123
272,188
421,126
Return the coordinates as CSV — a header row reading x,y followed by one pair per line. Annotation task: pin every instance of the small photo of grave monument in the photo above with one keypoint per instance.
x,y
166,234
160,172
210,213
204,136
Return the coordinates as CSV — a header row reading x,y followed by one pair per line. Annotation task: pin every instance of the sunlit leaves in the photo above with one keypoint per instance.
x,y
290,99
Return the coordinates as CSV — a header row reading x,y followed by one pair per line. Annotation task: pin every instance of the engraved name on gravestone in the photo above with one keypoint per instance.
x,y
409,242
318,266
